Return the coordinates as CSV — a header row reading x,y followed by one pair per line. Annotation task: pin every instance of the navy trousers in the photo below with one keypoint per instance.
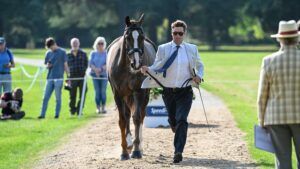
x,y
178,102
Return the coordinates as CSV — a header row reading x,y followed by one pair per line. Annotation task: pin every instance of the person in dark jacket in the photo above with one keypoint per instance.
x,y
11,103
78,63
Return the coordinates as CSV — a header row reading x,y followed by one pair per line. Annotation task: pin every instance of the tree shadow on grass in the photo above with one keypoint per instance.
x,y
214,163
193,125
199,162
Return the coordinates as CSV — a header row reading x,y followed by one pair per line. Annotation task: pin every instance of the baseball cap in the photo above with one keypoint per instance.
x,y
2,40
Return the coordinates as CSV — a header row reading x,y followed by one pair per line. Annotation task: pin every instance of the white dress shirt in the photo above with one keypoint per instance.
x,y
179,71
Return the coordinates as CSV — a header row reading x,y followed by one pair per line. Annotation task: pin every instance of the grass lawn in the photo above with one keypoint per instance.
x,y
234,77
22,142
231,75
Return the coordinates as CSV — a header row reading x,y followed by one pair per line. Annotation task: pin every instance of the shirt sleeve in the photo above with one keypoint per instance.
x,y
11,56
158,59
65,56
199,64
47,58
85,60
263,92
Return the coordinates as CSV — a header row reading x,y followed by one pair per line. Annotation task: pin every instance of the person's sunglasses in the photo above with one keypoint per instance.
x,y
100,43
178,33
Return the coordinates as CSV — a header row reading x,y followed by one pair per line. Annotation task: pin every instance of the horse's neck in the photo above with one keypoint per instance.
x,y
123,60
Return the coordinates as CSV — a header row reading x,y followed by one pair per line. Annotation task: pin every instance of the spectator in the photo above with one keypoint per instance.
x,y
98,72
279,95
78,63
6,62
56,62
11,103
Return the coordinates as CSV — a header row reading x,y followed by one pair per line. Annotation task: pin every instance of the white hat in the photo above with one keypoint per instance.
x,y
287,29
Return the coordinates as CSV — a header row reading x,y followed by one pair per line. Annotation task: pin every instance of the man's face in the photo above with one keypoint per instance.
x,y
178,34
53,47
75,44
2,46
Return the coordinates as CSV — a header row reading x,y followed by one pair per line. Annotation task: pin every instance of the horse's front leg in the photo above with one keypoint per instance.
x,y
123,121
140,103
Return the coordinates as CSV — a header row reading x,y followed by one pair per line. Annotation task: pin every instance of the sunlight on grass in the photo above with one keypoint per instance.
x,y
234,77
22,141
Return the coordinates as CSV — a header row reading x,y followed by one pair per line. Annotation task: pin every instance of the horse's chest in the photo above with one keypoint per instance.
x,y
126,83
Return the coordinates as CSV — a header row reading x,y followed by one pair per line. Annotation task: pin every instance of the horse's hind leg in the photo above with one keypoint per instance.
x,y
123,120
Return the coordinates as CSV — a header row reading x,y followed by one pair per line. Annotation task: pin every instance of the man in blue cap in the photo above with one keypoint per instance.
x,y
6,62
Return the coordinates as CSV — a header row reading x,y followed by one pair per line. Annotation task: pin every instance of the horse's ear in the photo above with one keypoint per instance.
x,y
127,21
141,20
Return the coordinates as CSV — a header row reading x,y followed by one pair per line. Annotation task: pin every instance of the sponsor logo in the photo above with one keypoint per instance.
x,y
157,111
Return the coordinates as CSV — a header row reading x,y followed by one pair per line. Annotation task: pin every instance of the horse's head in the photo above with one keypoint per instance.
x,y
134,41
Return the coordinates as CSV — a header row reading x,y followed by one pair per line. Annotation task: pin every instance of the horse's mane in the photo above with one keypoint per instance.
x,y
151,42
116,40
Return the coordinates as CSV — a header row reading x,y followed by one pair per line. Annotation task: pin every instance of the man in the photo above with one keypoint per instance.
x,y
176,62
6,62
11,103
78,63
279,95
56,62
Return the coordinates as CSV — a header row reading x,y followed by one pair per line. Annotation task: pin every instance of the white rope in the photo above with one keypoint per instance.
x,y
26,73
39,71
29,80
82,95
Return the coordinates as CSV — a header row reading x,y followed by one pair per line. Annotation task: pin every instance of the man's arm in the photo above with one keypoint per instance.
x,y
158,59
263,94
199,65
66,68
86,62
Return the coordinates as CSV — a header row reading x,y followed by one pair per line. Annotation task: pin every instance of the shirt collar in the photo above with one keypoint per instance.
x,y
173,44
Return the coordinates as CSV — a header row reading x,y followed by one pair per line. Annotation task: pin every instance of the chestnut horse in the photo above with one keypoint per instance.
x,y
125,57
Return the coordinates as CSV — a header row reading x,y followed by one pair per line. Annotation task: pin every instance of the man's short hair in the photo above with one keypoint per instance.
x,y
179,23
18,93
49,42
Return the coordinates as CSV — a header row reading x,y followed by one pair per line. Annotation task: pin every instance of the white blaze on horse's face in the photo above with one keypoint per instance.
x,y
135,35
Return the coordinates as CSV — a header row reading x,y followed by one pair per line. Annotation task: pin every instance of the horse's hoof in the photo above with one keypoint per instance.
x,y
125,157
136,154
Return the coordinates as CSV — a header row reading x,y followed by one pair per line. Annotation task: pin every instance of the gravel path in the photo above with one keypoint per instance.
x,y
98,144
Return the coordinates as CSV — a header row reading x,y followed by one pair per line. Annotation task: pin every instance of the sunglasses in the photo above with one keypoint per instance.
x,y
100,43
178,33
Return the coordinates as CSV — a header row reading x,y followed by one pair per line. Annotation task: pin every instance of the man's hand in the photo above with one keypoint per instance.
x,y
49,65
7,65
197,79
3,104
98,71
144,69
68,82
